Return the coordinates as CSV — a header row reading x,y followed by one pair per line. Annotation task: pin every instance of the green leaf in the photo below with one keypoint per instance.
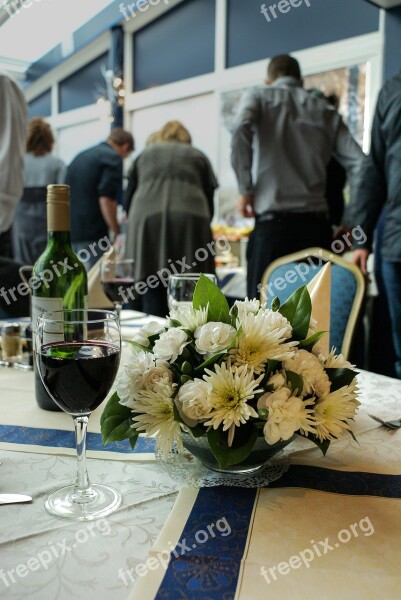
x,y
296,382
298,309
275,304
115,422
237,453
139,346
353,436
212,360
311,341
340,377
206,292
324,446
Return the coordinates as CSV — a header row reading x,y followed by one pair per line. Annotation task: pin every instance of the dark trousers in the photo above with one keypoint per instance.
x,y
283,234
392,281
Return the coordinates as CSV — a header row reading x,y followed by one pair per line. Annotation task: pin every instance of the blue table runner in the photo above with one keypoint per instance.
x,y
59,438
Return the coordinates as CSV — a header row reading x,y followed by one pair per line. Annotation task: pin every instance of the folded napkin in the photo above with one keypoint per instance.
x,y
320,290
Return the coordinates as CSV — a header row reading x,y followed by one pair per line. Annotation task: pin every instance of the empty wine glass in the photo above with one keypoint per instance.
x,y
117,280
78,354
181,288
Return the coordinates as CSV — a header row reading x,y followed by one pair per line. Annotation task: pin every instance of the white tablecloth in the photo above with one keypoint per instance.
x,y
45,558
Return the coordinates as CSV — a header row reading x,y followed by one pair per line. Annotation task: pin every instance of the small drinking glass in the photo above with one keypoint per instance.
x,y
117,280
181,288
78,354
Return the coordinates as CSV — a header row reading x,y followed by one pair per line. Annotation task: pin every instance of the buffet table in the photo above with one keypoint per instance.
x,y
351,498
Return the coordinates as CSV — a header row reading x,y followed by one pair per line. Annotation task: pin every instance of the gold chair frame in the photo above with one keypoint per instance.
x,y
326,256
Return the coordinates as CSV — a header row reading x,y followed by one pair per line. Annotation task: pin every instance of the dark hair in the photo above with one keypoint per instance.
x,y
120,137
40,139
283,65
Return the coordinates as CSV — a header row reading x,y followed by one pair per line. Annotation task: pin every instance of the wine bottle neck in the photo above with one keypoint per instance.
x,y
61,238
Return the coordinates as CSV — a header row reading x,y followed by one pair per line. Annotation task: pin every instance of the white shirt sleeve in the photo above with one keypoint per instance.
x,y
13,125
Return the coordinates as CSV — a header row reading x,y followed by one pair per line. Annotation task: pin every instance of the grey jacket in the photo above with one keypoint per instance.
x,y
381,176
296,134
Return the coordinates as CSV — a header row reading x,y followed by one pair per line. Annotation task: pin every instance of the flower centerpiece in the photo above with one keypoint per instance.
x,y
232,378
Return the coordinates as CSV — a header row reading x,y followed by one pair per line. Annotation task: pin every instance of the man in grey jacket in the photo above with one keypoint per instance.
x,y
380,187
295,135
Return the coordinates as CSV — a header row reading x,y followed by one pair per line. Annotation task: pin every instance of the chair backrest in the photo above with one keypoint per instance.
x,y
286,274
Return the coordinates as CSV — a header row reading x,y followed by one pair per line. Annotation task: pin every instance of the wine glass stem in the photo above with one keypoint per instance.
x,y
82,485
118,308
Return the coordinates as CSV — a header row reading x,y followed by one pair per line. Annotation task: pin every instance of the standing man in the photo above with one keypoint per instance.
x,y
13,125
380,187
296,134
95,179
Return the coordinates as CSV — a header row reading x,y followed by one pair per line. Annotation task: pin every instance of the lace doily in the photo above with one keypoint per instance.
x,y
187,469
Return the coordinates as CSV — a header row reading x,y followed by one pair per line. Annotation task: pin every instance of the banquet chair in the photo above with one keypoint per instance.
x,y
284,275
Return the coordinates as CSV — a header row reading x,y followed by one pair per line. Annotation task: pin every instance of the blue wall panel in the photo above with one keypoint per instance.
x,y
84,87
40,106
250,36
178,45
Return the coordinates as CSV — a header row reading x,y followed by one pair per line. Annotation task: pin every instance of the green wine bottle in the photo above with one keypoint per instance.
x,y
59,278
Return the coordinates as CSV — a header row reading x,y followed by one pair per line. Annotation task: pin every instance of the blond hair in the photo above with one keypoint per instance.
x,y
174,131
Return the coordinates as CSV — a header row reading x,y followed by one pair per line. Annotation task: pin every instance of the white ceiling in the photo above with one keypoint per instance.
x,y
40,26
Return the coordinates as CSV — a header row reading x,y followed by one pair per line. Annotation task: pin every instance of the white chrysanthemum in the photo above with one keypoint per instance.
x,y
232,388
334,410
334,361
188,317
156,416
307,365
142,336
246,307
287,414
170,344
214,337
262,337
194,401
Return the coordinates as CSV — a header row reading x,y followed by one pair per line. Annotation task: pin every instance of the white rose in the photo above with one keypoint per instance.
x,y
194,401
153,376
309,368
214,337
131,380
246,307
170,344
277,381
142,336
286,415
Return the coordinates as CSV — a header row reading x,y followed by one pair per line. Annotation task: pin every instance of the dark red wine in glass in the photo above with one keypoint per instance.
x,y
119,291
79,375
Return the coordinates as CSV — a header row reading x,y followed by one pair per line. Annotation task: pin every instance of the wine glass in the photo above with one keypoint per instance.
x,y
78,354
117,280
181,288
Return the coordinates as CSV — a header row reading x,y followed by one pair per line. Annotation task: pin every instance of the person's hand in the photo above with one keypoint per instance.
x,y
360,258
245,206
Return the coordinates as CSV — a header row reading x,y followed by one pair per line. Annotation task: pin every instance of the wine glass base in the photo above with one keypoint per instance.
x,y
100,502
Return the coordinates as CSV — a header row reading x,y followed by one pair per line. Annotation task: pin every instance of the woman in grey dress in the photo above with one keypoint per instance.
x,y
170,200
29,231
